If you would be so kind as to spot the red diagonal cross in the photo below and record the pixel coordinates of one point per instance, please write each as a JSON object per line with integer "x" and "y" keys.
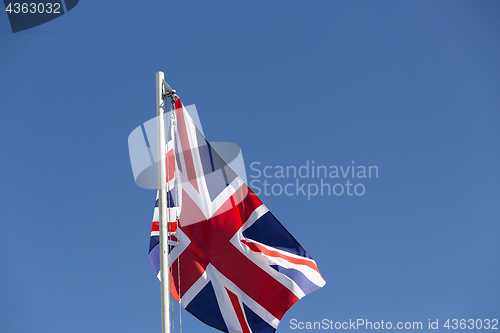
{"x": 210, "y": 244}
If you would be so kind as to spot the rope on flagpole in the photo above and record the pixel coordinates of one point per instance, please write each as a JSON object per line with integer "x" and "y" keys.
{"x": 174, "y": 97}
{"x": 169, "y": 219}
{"x": 169, "y": 197}
{"x": 169, "y": 194}
{"x": 171, "y": 94}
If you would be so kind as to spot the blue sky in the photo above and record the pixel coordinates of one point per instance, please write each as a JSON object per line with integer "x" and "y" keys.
{"x": 410, "y": 87}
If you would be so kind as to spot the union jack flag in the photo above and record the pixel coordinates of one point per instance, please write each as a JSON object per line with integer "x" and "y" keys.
{"x": 232, "y": 264}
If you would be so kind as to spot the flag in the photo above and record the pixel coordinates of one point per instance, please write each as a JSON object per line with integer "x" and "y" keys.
{"x": 232, "y": 264}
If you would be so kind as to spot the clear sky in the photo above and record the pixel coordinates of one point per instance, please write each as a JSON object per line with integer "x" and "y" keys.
{"x": 411, "y": 87}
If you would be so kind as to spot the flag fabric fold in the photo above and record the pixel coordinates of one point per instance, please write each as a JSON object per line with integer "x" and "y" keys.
{"x": 232, "y": 264}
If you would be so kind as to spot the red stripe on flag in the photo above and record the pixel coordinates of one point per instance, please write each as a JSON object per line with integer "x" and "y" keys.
{"x": 186, "y": 148}
{"x": 155, "y": 226}
{"x": 173, "y": 288}
{"x": 239, "y": 312}
{"x": 170, "y": 164}
{"x": 172, "y": 226}
{"x": 259, "y": 248}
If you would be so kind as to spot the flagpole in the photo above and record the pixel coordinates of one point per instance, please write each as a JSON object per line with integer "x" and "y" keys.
{"x": 162, "y": 205}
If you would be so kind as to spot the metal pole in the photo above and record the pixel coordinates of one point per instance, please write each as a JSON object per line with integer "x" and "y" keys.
{"x": 162, "y": 207}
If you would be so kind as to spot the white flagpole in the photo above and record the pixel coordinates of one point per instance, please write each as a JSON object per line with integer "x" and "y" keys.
{"x": 162, "y": 206}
